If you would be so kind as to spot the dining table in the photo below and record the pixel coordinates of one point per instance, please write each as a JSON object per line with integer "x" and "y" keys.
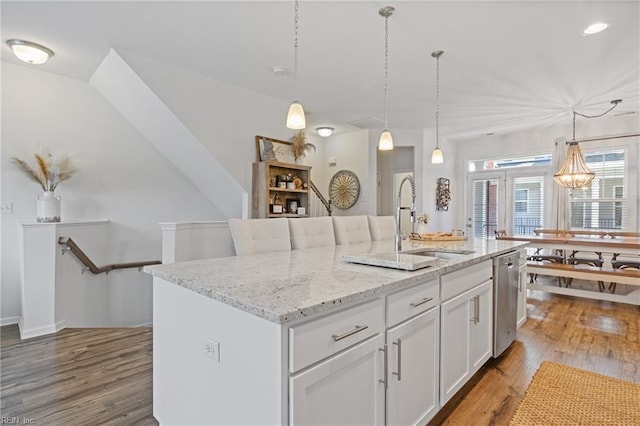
{"x": 606, "y": 245}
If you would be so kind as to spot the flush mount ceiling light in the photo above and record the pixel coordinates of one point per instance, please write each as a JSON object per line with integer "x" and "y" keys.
{"x": 386, "y": 141}
{"x": 29, "y": 52}
{"x": 574, "y": 172}
{"x": 595, "y": 28}
{"x": 295, "y": 117}
{"x": 325, "y": 131}
{"x": 437, "y": 157}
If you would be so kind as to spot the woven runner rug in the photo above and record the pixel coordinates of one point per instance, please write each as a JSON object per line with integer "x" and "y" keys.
{"x": 563, "y": 395}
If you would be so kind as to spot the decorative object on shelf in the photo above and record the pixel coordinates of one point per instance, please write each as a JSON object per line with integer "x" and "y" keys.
{"x": 48, "y": 173}
{"x": 344, "y": 189}
{"x": 292, "y": 205}
{"x": 574, "y": 172}
{"x": 269, "y": 149}
{"x": 443, "y": 194}
{"x": 300, "y": 146}
{"x": 422, "y": 222}
{"x": 386, "y": 140}
{"x": 30, "y": 52}
{"x": 297, "y": 182}
{"x": 277, "y": 205}
{"x": 295, "y": 117}
{"x": 437, "y": 157}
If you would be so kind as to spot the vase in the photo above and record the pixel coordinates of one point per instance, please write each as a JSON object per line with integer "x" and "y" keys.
{"x": 421, "y": 228}
{"x": 48, "y": 207}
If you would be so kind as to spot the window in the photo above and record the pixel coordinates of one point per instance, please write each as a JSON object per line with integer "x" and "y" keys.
{"x": 521, "y": 198}
{"x": 528, "y": 206}
{"x": 603, "y": 204}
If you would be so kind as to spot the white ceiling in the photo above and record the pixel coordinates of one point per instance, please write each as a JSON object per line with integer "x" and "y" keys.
{"x": 507, "y": 64}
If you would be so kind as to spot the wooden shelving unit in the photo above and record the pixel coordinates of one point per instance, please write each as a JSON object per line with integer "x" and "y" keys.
{"x": 266, "y": 173}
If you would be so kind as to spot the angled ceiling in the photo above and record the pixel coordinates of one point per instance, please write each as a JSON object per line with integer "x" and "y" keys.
{"x": 507, "y": 65}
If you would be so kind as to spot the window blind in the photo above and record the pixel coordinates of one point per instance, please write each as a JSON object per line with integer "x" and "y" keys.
{"x": 603, "y": 205}
{"x": 528, "y": 204}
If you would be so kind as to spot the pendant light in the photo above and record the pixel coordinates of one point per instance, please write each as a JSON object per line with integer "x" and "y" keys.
{"x": 437, "y": 157}
{"x": 574, "y": 172}
{"x": 295, "y": 117}
{"x": 386, "y": 141}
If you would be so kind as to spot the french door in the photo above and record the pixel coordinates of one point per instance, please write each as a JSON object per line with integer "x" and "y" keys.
{"x": 513, "y": 200}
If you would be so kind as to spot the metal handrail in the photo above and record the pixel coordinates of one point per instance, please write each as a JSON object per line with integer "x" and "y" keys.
{"x": 327, "y": 204}
{"x": 70, "y": 245}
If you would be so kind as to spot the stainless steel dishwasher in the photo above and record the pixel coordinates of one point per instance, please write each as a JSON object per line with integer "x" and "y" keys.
{"x": 505, "y": 301}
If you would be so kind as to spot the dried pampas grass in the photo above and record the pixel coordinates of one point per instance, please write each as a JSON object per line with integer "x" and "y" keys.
{"x": 300, "y": 145}
{"x": 48, "y": 172}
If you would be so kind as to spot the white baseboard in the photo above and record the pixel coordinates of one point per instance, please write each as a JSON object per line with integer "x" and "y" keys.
{"x": 39, "y": 331}
{"x": 9, "y": 320}
{"x": 146, "y": 324}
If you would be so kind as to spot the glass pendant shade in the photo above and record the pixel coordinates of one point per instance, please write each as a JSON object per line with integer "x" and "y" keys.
{"x": 574, "y": 173}
{"x": 31, "y": 53}
{"x": 295, "y": 118}
{"x": 386, "y": 141}
{"x": 437, "y": 157}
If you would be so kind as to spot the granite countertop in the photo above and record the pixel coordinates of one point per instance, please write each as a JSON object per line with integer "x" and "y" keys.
{"x": 285, "y": 286}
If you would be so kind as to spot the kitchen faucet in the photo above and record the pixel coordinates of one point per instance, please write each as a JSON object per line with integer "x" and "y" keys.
{"x": 412, "y": 210}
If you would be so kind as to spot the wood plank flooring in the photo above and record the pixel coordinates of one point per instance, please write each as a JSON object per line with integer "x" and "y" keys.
{"x": 78, "y": 377}
{"x": 104, "y": 376}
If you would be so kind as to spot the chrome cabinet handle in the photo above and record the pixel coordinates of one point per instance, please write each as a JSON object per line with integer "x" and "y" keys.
{"x": 384, "y": 378}
{"x": 398, "y": 343}
{"x": 476, "y": 309}
{"x": 421, "y": 302}
{"x": 358, "y": 329}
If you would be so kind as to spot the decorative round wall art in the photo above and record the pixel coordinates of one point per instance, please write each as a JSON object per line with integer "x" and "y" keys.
{"x": 344, "y": 189}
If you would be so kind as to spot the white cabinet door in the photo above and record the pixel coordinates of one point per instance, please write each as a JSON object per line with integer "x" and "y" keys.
{"x": 522, "y": 293}
{"x": 413, "y": 370}
{"x": 454, "y": 344}
{"x": 466, "y": 337}
{"x": 346, "y": 389}
{"x": 481, "y": 333}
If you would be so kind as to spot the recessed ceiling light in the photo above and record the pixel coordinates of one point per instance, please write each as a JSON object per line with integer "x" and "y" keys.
{"x": 595, "y": 28}
{"x": 29, "y": 52}
{"x": 325, "y": 131}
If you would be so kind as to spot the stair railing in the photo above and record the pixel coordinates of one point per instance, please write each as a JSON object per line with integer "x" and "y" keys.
{"x": 88, "y": 265}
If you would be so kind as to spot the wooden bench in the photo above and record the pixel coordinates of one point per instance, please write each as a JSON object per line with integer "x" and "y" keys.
{"x": 591, "y": 273}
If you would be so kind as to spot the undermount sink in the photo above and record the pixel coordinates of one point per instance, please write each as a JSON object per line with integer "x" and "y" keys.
{"x": 441, "y": 254}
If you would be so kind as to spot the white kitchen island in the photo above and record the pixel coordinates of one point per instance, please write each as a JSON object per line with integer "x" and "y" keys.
{"x": 303, "y": 337}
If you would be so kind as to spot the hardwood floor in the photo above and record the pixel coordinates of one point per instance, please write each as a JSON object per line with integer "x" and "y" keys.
{"x": 78, "y": 377}
{"x": 98, "y": 376}
{"x": 598, "y": 336}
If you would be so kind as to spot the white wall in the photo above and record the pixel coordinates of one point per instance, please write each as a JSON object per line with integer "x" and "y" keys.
{"x": 351, "y": 153}
{"x": 223, "y": 117}
{"x": 122, "y": 178}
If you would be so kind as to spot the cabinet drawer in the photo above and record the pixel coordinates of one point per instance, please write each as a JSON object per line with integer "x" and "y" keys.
{"x": 412, "y": 301}
{"x": 460, "y": 281}
{"x": 320, "y": 338}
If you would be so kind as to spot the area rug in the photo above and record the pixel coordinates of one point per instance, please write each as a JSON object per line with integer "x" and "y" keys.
{"x": 563, "y": 395}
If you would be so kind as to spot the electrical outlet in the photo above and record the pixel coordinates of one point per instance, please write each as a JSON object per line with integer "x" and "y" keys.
{"x": 212, "y": 349}
{"x": 6, "y": 207}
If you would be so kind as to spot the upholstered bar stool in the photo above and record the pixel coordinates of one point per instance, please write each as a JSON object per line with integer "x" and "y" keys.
{"x": 311, "y": 232}
{"x": 351, "y": 229}
{"x": 260, "y": 235}
{"x": 382, "y": 227}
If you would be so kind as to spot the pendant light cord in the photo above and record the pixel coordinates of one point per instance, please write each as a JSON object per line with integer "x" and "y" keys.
{"x": 295, "y": 48}
{"x": 615, "y": 104}
{"x": 386, "y": 66}
{"x": 437, "y": 101}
